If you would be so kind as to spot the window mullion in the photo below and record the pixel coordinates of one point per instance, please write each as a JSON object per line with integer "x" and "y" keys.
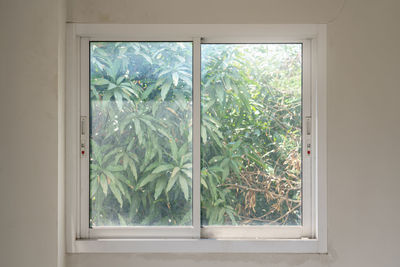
{"x": 196, "y": 135}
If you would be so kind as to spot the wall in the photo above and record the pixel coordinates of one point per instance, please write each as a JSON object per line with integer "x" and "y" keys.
{"x": 363, "y": 125}
{"x": 62, "y": 17}
{"x": 363, "y": 121}
{"x": 204, "y": 11}
{"x": 31, "y": 165}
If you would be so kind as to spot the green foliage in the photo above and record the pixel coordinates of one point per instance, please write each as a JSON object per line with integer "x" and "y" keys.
{"x": 251, "y": 134}
{"x": 141, "y": 150}
{"x": 141, "y": 134}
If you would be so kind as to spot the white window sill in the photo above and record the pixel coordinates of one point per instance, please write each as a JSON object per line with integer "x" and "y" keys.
{"x": 198, "y": 246}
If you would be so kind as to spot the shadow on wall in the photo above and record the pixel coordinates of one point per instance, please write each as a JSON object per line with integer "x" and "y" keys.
{"x": 204, "y": 12}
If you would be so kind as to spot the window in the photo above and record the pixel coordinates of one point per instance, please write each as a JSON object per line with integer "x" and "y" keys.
{"x": 184, "y": 143}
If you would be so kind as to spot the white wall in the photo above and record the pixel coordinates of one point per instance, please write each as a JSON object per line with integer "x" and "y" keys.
{"x": 363, "y": 121}
{"x": 203, "y": 11}
{"x": 31, "y": 84}
{"x": 363, "y": 125}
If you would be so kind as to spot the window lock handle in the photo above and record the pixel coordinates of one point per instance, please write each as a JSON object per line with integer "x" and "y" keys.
{"x": 308, "y": 125}
{"x": 83, "y": 131}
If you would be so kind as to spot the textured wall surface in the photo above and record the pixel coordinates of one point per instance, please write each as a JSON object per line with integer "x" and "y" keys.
{"x": 363, "y": 126}
{"x": 31, "y": 54}
{"x": 363, "y": 122}
{"x": 205, "y": 11}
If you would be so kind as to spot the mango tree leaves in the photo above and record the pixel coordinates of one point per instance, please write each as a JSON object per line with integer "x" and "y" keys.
{"x": 250, "y": 133}
{"x": 141, "y": 133}
{"x": 140, "y": 127}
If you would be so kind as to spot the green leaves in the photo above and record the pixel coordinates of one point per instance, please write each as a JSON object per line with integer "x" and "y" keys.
{"x": 133, "y": 169}
{"x": 100, "y": 81}
{"x": 171, "y": 182}
{"x": 175, "y": 171}
{"x": 165, "y": 89}
{"x": 174, "y": 150}
{"x": 175, "y": 78}
{"x": 250, "y": 133}
{"x": 163, "y": 168}
{"x": 140, "y": 124}
{"x": 103, "y": 183}
{"x": 117, "y": 193}
{"x": 160, "y": 186}
{"x": 204, "y": 134}
{"x": 149, "y": 178}
{"x": 184, "y": 187}
{"x": 141, "y": 133}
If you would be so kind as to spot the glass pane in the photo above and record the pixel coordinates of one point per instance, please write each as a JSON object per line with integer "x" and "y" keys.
{"x": 251, "y": 134}
{"x": 140, "y": 133}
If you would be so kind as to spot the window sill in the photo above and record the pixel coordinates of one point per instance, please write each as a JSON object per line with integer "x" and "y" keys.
{"x": 198, "y": 246}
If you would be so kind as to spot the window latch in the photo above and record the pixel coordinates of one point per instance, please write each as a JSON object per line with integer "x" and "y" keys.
{"x": 83, "y": 131}
{"x": 308, "y": 125}
{"x": 308, "y": 135}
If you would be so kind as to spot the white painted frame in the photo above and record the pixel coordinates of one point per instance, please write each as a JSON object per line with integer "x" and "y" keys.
{"x": 309, "y": 238}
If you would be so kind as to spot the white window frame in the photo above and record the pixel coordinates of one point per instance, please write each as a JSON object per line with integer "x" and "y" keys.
{"x": 311, "y": 237}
